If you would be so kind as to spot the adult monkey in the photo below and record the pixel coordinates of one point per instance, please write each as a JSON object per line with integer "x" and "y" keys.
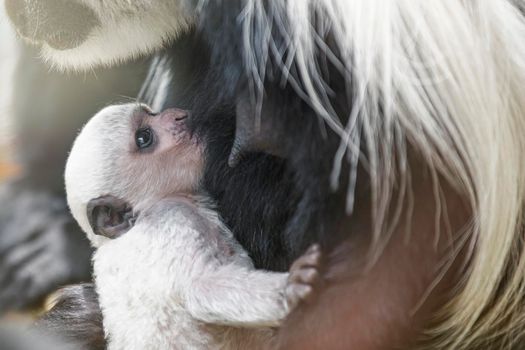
{"x": 421, "y": 97}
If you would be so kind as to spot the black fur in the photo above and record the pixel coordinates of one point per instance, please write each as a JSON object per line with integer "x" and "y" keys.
{"x": 276, "y": 207}
{"x": 310, "y": 210}
{"x": 76, "y": 318}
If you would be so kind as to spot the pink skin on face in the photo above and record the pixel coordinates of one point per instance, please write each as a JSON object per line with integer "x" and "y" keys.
{"x": 171, "y": 129}
{"x": 171, "y": 163}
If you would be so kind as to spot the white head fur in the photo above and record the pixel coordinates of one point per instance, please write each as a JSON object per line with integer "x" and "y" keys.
{"x": 105, "y": 160}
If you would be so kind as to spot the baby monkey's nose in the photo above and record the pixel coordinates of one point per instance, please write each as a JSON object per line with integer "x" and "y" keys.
{"x": 180, "y": 114}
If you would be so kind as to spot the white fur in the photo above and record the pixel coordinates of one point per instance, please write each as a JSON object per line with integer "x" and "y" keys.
{"x": 101, "y": 162}
{"x": 87, "y": 175}
{"x": 195, "y": 283}
{"x": 122, "y": 34}
{"x": 177, "y": 279}
{"x": 445, "y": 78}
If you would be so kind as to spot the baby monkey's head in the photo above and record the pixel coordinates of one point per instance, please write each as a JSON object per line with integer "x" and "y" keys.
{"x": 125, "y": 158}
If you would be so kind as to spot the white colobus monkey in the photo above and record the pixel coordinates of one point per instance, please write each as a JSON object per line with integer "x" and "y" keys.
{"x": 168, "y": 273}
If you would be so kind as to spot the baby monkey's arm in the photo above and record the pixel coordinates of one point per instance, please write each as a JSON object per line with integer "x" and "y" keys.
{"x": 236, "y": 296}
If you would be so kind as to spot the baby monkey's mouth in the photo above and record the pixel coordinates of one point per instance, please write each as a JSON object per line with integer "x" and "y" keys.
{"x": 110, "y": 216}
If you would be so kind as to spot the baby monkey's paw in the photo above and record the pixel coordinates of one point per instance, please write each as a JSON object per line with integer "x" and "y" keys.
{"x": 304, "y": 278}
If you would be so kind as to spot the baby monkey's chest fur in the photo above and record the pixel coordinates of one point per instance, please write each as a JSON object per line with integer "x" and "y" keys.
{"x": 202, "y": 289}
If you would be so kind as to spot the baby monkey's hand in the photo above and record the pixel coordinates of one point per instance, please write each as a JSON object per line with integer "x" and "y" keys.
{"x": 304, "y": 278}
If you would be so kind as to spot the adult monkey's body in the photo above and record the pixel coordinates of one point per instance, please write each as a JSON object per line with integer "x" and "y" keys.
{"x": 417, "y": 86}
{"x": 385, "y": 296}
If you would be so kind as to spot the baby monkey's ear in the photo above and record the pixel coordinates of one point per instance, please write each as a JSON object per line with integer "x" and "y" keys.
{"x": 110, "y": 216}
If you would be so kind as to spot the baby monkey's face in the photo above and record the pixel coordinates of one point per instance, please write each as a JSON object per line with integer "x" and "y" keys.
{"x": 129, "y": 153}
{"x": 162, "y": 154}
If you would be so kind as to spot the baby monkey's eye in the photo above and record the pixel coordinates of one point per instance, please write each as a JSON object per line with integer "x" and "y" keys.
{"x": 144, "y": 138}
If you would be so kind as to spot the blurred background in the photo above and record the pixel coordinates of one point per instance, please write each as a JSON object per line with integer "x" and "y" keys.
{"x": 41, "y": 111}
{"x": 7, "y": 62}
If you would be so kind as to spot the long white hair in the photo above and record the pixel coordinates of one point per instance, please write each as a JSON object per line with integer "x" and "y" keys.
{"x": 447, "y": 78}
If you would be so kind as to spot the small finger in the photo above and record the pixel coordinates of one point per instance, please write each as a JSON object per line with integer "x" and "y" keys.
{"x": 305, "y": 276}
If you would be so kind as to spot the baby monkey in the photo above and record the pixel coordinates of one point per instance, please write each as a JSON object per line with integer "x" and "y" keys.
{"x": 169, "y": 274}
